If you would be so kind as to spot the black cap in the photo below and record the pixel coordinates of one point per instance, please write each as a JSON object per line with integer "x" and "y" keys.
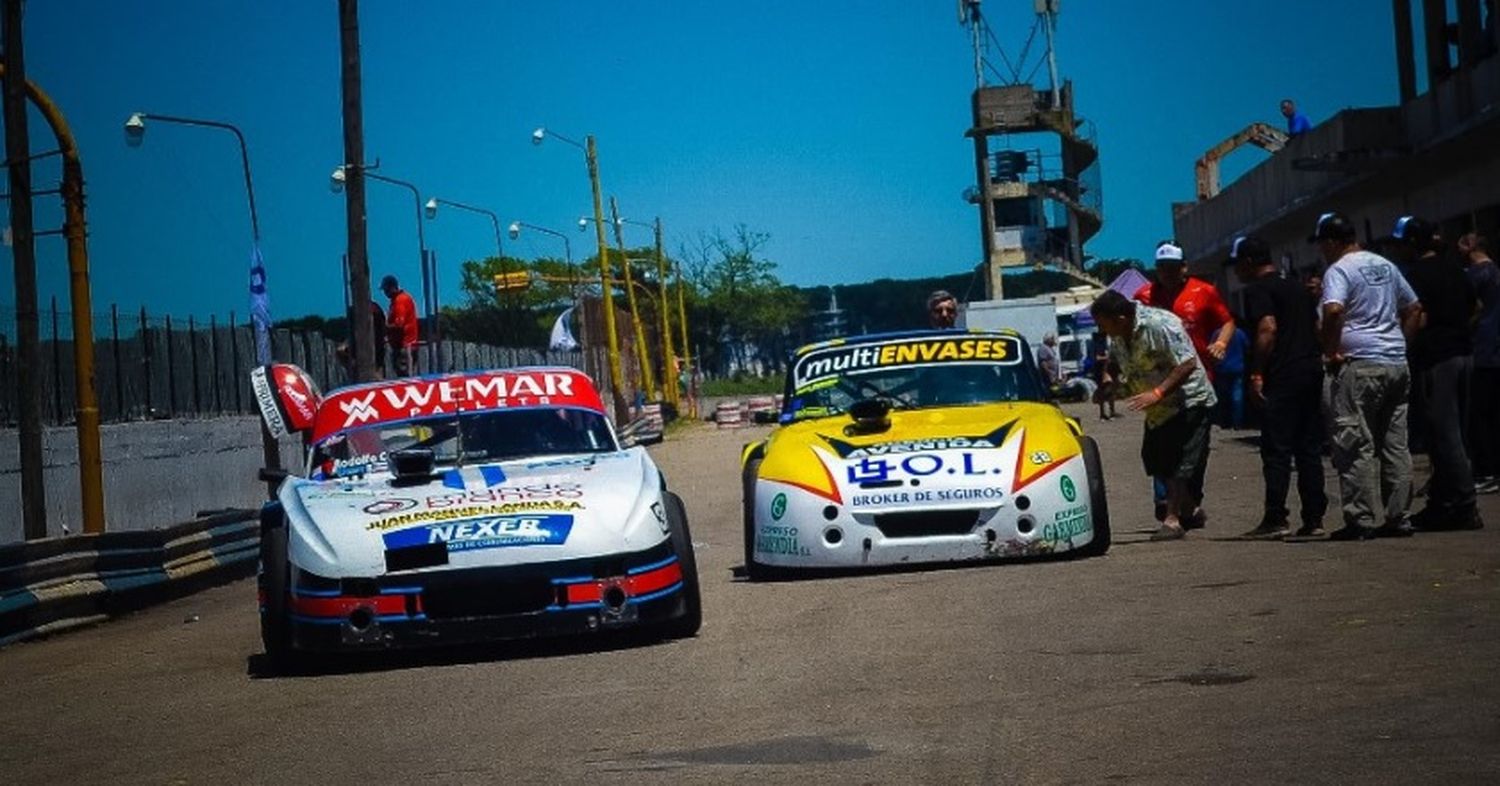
{"x": 389, "y": 282}
{"x": 1249, "y": 247}
{"x": 1410, "y": 229}
{"x": 1332, "y": 226}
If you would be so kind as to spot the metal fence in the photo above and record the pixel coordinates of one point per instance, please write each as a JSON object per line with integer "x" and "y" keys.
{"x": 149, "y": 367}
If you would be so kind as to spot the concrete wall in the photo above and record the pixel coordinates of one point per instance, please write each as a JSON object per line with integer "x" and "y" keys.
{"x": 156, "y": 473}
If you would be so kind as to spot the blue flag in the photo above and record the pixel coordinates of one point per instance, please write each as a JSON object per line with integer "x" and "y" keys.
{"x": 260, "y": 307}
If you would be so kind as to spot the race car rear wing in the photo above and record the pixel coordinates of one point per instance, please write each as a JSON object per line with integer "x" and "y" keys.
{"x": 287, "y": 396}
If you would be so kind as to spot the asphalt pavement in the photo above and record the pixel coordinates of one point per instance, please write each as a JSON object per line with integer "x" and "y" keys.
{"x": 1207, "y": 659}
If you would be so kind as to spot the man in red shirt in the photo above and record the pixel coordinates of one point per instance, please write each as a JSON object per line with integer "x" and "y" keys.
{"x": 1202, "y": 311}
{"x": 1196, "y": 302}
{"x": 401, "y": 329}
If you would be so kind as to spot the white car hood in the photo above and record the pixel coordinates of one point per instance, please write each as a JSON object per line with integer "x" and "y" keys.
{"x": 536, "y": 510}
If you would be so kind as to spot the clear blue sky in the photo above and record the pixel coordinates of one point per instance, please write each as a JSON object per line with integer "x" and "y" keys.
{"x": 836, "y": 127}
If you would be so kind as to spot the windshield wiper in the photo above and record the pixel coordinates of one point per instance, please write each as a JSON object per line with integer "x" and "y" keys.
{"x": 886, "y": 394}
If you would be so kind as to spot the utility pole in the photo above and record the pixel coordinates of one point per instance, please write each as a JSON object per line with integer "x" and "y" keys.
{"x": 642, "y": 356}
{"x": 668, "y": 357}
{"x": 354, "y": 193}
{"x": 28, "y": 346}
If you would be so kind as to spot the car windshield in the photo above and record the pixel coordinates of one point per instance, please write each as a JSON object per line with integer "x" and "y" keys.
{"x": 469, "y": 438}
{"x": 912, "y": 373}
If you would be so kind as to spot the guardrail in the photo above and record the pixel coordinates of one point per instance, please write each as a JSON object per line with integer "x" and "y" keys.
{"x": 55, "y": 584}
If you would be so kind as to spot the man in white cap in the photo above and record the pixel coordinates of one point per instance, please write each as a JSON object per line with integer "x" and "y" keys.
{"x": 1208, "y": 323}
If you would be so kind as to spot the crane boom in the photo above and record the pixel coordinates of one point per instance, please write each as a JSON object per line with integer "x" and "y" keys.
{"x": 1261, "y": 135}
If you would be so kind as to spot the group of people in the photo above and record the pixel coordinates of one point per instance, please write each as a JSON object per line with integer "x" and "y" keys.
{"x": 398, "y": 331}
{"x": 1333, "y": 361}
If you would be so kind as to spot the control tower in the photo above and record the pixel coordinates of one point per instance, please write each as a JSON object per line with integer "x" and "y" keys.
{"x": 1036, "y": 162}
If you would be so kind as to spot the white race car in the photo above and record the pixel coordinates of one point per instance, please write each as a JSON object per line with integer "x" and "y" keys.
{"x": 474, "y": 506}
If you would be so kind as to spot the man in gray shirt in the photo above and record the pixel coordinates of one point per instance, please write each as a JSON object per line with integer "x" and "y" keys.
{"x": 1368, "y": 310}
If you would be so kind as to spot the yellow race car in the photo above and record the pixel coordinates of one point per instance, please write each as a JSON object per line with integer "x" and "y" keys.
{"x": 925, "y": 447}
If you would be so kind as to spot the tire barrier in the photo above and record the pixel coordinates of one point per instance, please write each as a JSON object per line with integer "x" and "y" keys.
{"x": 654, "y": 421}
{"x": 728, "y": 415}
{"x": 52, "y": 585}
{"x": 763, "y": 409}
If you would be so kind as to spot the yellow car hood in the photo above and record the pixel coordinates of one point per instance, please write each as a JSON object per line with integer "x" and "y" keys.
{"x": 936, "y": 455}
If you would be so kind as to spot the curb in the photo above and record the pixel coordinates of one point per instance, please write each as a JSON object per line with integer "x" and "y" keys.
{"x": 56, "y": 584}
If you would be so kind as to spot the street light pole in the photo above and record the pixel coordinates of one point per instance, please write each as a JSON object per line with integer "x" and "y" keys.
{"x": 591, "y": 156}
{"x": 338, "y": 181}
{"x": 583, "y": 323}
{"x": 669, "y": 373}
{"x": 641, "y": 355}
{"x": 135, "y": 132}
{"x": 432, "y": 209}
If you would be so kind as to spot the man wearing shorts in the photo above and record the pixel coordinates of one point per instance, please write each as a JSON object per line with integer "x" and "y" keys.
{"x": 1161, "y": 374}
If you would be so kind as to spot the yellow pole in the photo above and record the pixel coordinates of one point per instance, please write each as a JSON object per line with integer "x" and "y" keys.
{"x": 86, "y": 401}
{"x": 668, "y": 357}
{"x": 641, "y": 355}
{"x": 616, "y": 379}
{"x": 687, "y": 355}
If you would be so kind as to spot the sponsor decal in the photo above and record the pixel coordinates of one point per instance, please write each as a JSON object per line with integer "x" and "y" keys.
{"x": 504, "y": 509}
{"x": 779, "y": 540}
{"x": 358, "y": 465}
{"x": 934, "y": 495}
{"x": 391, "y": 505}
{"x": 563, "y": 490}
{"x": 487, "y": 533}
{"x": 827, "y": 363}
{"x": 426, "y": 397}
{"x": 577, "y": 461}
{"x": 1068, "y": 523}
{"x": 1069, "y": 491}
{"x": 778, "y": 507}
{"x": 1041, "y": 457}
{"x": 879, "y": 470}
{"x": 849, "y": 451}
{"x": 661, "y": 517}
{"x": 265, "y": 398}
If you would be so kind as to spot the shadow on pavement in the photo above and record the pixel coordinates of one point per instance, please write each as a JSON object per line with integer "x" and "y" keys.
{"x": 260, "y": 666}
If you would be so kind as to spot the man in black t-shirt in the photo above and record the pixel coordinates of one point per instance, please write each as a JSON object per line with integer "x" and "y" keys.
{"x": 1286, "y": 378}
{"x": 1441, "y": 355}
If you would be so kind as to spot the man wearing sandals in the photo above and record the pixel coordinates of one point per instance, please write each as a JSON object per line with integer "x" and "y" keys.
{"x": 1162, "y": 376}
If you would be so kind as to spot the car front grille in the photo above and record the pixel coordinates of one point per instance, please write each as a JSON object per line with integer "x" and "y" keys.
{"x": 921, "y": 524}
{"x": 489, "y": 599}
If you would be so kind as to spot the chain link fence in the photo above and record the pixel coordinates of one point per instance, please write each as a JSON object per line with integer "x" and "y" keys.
{"x": 155, "y": 367}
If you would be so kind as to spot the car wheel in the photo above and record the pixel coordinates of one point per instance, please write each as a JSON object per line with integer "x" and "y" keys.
{"x": 275, "y": 582}
{"x": 753, "y": 571}
{"x": 1098, "y": 502}
{"x": 682, "y": 543}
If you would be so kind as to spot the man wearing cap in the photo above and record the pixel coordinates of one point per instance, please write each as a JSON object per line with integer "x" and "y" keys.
{"x": 1441, "y": 364}
{"x": 401, "y": 329}
{"x": 1368, "y": 309}
{"x": 1161, "y": 374}
{"x": 1484, "y": 434}
{"x": 1286, "y": 379}
{"x": 1207, "y": 320}
{"x": 942, "y": 310}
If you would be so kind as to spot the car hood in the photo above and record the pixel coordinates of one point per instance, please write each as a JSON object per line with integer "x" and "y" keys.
{"x": 509, "y": 513}
{"x": 943, "y": 457}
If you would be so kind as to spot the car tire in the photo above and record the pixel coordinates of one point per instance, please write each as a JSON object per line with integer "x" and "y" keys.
{"x": 1098, "y": 501}
{"x": 275, "y": 582}
{"x": 753, "y": 571}
{"x": 687, "y": 625}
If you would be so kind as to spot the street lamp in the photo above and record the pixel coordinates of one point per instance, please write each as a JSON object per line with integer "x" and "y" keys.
{"x": 336, "y": 181}
{"x": 515, "y": 232}
{"x": 591, "y": 157}
{"x": 135, "y": 134}
{"x": 583, "y": 325}
{"x": 432, "y": 211}
{"x": 642, "y": 357}
{"x": 669, "y": 381}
